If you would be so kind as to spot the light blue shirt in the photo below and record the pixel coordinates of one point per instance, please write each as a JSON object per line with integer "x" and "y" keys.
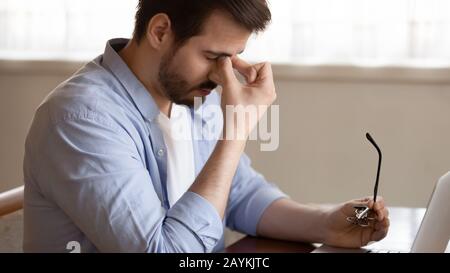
{"x": 95, "y": 172}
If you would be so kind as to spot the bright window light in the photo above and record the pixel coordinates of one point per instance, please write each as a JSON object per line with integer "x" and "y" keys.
{"x": 355, "y": 32}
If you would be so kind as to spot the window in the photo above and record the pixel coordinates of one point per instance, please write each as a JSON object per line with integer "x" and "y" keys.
{"x": 62, "y": 29}
{"x": 361, "y": 32}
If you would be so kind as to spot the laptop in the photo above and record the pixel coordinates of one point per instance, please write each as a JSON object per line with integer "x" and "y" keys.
{"x": 434, "y": 232}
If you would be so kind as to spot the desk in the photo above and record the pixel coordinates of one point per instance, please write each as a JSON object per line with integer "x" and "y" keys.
{"x": 405, "y": 223}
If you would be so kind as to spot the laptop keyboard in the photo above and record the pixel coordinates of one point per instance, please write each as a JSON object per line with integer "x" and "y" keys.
{"x": 384, "y": 251}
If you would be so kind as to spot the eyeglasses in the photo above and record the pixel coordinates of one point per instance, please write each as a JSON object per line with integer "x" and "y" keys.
{"x": 361, "y": 217}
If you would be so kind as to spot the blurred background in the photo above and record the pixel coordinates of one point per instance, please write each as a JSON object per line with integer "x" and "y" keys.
{"x": 342, "y": 68}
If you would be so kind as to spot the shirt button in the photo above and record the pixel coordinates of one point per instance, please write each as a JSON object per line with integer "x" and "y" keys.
{"x": 160, "y": 152}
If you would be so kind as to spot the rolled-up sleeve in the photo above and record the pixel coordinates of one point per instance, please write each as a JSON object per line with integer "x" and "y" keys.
{"x": 250, "y": 195}
{"x": 95, "y": 174}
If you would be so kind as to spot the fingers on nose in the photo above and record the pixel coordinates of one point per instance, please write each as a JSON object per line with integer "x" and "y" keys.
{"x": 223, "y": 73}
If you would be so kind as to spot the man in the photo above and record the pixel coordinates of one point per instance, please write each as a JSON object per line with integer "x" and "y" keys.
{"x": 104, "y": 172}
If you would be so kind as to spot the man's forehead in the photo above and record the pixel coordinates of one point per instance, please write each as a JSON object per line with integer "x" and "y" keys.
{"x": 217, "y": 45}
{"x": 221, "y": 31}
{"x": 220, "y": 36}
{"x": 223, "y": 44}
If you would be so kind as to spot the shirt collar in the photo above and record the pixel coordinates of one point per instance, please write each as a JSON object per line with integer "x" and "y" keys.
{"x": 137, "y": 91}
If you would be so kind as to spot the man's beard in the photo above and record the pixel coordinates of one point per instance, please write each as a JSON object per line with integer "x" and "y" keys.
{"x": 175, "y": 87}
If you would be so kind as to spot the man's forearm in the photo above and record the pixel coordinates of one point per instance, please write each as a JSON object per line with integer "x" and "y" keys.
{"x": 214, "y": 181}
{"x": 287, "y": 220}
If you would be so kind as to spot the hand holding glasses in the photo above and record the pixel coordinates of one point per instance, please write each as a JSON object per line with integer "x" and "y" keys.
{"x": 361, "y": 217}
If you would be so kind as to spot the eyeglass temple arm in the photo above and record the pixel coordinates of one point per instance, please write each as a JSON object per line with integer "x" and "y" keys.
{"x": 375, "y": 190}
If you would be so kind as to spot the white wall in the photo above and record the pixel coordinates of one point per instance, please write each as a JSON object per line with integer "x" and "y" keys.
{"x": 20, "y": 94}
{"x": 323, "y": 154}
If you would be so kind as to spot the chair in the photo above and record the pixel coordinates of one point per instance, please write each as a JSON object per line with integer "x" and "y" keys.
{"x": 11, "y": 220}
{"x": 11, "y": 201}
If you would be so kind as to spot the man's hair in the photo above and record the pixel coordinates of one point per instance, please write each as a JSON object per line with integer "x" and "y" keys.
{"x": 187, "y": 16}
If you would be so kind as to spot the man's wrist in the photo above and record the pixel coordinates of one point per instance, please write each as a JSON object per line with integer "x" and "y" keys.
{"x": 232, "y": 145}
{"x": 327, "y": 231}
{"x": 322, "y": 231}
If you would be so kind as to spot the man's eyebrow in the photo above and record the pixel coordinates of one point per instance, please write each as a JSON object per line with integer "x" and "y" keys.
{"x": 220, "y": 54}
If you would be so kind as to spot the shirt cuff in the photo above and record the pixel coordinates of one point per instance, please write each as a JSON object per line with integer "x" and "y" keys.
{"x": 200, "y": 216}
{"x": 257, "y": 205}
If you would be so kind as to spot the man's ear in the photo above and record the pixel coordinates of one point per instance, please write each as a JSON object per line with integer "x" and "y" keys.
{"x": 159, "y": 31}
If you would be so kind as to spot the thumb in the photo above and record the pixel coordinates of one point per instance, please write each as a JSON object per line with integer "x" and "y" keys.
{"x": 223, "y": 73}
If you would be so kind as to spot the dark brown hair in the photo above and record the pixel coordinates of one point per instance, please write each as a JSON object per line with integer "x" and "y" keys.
{"x": 187, "y": 16}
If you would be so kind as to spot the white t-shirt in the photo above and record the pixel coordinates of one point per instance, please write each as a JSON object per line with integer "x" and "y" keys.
{"x": 180, "y": 154}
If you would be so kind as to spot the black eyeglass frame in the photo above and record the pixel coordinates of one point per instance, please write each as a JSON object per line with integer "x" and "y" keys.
{"x": 380, "y": 156}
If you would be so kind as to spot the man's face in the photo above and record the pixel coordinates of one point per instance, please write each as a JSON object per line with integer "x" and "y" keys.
{"x": 183, "y": 73}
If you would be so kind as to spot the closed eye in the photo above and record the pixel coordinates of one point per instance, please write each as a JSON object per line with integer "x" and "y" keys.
{"x": 213, "y": 58}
